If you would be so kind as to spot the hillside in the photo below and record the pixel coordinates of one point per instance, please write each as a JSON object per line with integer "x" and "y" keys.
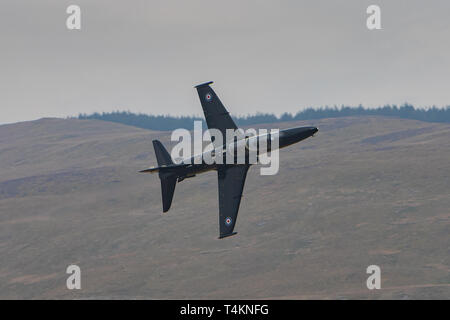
{"x": 364, "y": 190}
{"x": 167, "y": 122}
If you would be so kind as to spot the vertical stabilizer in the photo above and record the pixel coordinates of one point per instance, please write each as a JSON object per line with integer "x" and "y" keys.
{"x": 168, "y": 179}
{"x": 162, "y": 156}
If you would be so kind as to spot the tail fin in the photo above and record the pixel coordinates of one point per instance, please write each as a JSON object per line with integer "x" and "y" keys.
{"x": 168, "y": 179}
{"x": 162, "y": 156}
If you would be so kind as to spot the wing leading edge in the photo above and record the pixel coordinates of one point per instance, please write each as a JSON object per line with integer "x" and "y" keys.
{"x": 231, "y": 177}
{"x": 216, "y": 116}
{"x": 231, "y": 185}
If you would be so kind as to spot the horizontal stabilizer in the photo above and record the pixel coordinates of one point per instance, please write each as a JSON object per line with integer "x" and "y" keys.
{"x": 150, "y": 170}
{"x": 173, "y": 168}
{"x": 167, "y": 191}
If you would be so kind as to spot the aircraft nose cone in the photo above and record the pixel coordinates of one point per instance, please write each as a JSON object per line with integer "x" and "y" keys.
{"x": 293, "y": 135}
{"x": 300, "y": 131}
{"x": 309, "y": 131}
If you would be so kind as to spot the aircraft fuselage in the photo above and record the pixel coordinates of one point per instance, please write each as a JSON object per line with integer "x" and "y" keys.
{"x": 286, "y": 138}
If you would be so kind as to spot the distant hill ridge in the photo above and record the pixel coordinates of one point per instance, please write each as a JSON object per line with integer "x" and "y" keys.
{"x": 167, "y": 122}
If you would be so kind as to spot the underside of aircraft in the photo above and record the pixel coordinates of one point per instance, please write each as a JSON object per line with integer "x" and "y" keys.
{"x": 231, "y": 177}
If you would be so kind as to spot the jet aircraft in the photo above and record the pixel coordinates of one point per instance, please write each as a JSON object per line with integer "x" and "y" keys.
{"x": 231, "y": 177}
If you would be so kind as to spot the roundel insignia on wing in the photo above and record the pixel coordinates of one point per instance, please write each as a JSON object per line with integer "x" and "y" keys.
{"x": 208, "y": 97}
{"x": 228, "y": 221}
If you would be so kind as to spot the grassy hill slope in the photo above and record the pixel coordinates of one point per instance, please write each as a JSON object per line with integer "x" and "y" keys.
{"x": 365, "y": 190}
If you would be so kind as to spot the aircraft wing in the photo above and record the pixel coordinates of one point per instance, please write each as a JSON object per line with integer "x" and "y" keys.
{"x": 231, "y": 185}
{"x": 216, "y": 116}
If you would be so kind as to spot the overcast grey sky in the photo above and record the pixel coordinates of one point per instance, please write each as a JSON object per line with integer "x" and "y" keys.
{"x": 269, "y": 56}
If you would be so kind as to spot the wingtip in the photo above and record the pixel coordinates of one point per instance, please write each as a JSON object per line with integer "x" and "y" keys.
{"x": 227, "y": 235}
{"x": 204, "y": 84}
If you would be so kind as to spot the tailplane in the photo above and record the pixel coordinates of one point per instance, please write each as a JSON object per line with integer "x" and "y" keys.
{"x": 168, "y": 178}
{"x": 167, "y": 190}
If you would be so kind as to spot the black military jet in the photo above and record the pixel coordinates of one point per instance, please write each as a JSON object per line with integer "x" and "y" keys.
{"x": 231, "y": 176}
